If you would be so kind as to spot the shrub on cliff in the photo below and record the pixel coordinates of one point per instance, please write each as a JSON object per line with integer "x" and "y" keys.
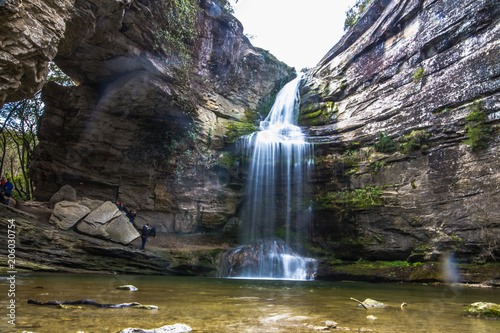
{"x": 385, "y": 144}
{"x": 478, "y": 131}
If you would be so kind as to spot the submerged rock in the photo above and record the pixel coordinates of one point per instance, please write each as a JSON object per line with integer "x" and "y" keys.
{"x": 127, "y": 287}
{"x": 176, "y": 328}
{"x": 371, "y": 303}
{"x": 482, "y": 310}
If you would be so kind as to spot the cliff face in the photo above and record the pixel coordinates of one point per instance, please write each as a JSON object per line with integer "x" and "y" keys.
{"x": 412, "y": 70}
{"x": 143, "y": 128}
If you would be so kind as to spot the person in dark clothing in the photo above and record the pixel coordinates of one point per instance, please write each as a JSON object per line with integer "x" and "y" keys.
{"x": 146, "y": 232}
{"x": 131, "y": 216}
{"x": 8, "y": 187}
{"x": 3, "y": 199}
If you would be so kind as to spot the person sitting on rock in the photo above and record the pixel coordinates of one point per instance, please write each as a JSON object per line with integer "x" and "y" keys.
{"x": 131, "y": 216}
{"x": 146, "y": 232}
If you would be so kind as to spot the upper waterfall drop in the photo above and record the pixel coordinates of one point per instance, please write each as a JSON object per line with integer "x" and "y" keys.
{"x": 277, "y": 203}
{"x": 280, "y": 162}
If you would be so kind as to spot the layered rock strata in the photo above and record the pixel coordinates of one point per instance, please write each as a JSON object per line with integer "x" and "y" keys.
{"x": 30, "y": 31}
{"x": 408, "y": 77}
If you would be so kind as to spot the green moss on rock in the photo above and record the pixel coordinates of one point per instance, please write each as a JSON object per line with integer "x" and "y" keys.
{"x": 317, "y": 113}
{"x": 482, "y": 310}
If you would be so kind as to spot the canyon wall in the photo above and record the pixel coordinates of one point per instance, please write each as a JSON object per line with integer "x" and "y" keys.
{"x": 144, "y": 125}
{"x": 404, "y": 113}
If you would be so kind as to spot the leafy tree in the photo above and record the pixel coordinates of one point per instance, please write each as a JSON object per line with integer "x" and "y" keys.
{"x": 18, "y": 136}
{"x": 18, "y": 140}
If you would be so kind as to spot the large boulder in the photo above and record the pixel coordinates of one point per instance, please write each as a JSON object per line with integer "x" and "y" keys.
{"x": 65, "y": 193}
{"x": 67, "y": 213}
{"x": 109, "y": 223}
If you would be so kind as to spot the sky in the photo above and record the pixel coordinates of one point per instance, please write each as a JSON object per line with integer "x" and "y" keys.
{"x": 297, "y": 32}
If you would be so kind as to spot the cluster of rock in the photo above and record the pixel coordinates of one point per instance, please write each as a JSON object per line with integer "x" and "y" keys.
{"x": 91, "y": 217}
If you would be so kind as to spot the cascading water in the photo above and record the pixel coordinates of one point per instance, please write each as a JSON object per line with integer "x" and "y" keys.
{"x": 276, "y": 202}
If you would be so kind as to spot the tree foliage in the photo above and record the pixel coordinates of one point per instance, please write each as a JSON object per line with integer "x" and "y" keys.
{"x": 18, "y": 136}
{"x": 18, "y": 140}
{"x": 175, "y": 28}
{"x": 355, "y": 12}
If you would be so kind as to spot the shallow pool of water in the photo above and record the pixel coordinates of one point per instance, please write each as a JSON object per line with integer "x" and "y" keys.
{"x": 230, "y": 305}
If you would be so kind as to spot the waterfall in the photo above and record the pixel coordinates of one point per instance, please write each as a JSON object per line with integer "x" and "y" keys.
{"x": 276, "y": 203}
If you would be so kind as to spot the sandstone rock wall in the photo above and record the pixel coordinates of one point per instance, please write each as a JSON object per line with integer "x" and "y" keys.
{"x": 413, "y": 73}
{"x": 29, "y": 33}
{"x": 141, "y": 130}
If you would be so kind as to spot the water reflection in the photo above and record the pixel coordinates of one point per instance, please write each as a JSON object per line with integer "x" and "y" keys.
{"x": 228, "y": 305}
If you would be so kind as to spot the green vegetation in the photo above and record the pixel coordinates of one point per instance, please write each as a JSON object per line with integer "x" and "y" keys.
{"x": 237, "y": 129}
{"x": 226, "y": 6}
{"x": 317, "y": 113}
{"x": 361, "y": 198}
{"x": 385, "y": 144}
{"x": 355, "y": 12}
{"x": 377, "y": 166}
{"x": 478, "y": 131}
{"x": 413, "y": 141}
{"x": 482, "y": 310}
{"x": 18, "y": 136}
{"x": 418, "y": 75}
{"x": 175, "y": 31}
{"x": 227, "y": 160}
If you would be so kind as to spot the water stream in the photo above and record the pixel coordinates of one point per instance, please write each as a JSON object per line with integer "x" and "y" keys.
{"x": 212, "y": 305}
{"x": 276, "y": 210}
